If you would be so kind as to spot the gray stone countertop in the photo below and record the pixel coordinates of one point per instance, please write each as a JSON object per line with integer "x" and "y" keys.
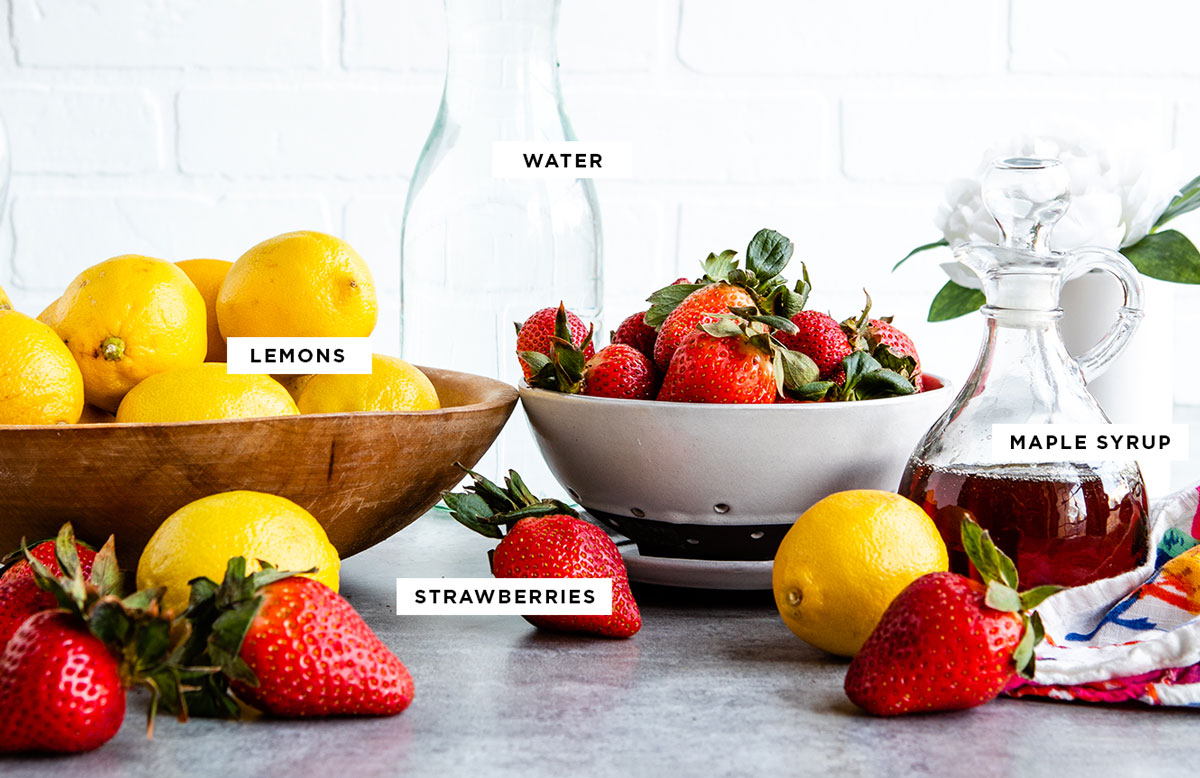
{"x": 714, "y": 684}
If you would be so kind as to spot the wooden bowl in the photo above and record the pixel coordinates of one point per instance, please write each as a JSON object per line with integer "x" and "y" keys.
{"x": 364, "y": 476}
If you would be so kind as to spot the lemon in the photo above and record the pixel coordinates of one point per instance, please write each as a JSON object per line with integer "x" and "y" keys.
{"x": 39, "y": 380}
{"x": 207, "y": 275}
{"x": 200, "y": 538}
{"x": 5, "y": 303}
{"x": 202, "y": 393}
{"x": 300, "y": 284}
{"x": 845, "y": 560}
{"x": 393, "y": 385}
{"x": 128, "y": 318}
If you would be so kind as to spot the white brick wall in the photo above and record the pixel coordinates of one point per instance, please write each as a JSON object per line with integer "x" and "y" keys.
{"x": 198, "y": 127}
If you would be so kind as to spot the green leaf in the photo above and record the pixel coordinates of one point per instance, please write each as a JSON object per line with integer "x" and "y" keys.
{"x": 1002, "y": 597}
{"x": 891, "y": 359}
{"x": 918, "y": 250}
{"x": 666, "y": 300}
{"x": 803, "y": 288}
{"x": 954, "y": 301}
{"x": 972, "y": 540}
{"x": 768, "y": 253}
{"x": 749, "y": 313}
{"x": 812, "y": 391}
{"x": 718, "y": 266}
{"x": 535, "y": 359}
{"x": 1008, "y": 571}
{"x": 470, "y": 510}
{"x": 1023, "y": 655}
{"x": 883, "y": 383}
{"x": 723, "y": 327}
{"x": 1167, "y": 256}
{"x": 1187, "y": 200}
{"x": 1035, "y": 597}
{"x": 798, "y": 369}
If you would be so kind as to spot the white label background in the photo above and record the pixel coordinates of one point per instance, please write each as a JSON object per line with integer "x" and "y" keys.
{"x": 508, "y": 159}
{"x": 356, "y": 354}
{"x": 1177, "y": 450}
{"x": 407, "y": 588}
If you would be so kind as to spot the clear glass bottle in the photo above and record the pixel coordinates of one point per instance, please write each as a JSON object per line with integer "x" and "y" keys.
{"x": 1062, "y": 522}
{"x": 480, "y": 253}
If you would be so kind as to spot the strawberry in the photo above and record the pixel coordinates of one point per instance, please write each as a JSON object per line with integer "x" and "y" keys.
{"x": 732, "y": 360}
{"x": 881, "y": 333}
{"x": 291, "y": 646}
{"x": 20, "y": 596}
{"x": 948, "y": 642}
{"x": 64, "y": 672}
{"x": 678, "y": 309}
{"x": 704, "y": 305}
{"x": 547, "y": 539}
{"x": 881, "y": 339}
{"x": 634, "y": 331}
{"x": 620, "y": 371}
{"x": 62, "y": 688}
{"x": 537, "y": 334}
{"x": 821, "y": 338}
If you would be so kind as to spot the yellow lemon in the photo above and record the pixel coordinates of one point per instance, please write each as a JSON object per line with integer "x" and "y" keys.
{"x": 207, "y": 275}
{"x": 128, "y": 318}
{"x": 300, "y": 284}
{"x": 39, "y": 380}
{"x": 202, "y": 393}
{"x": 393, "y": 385}
{"x": 93, "y": 415}
{"x": 5, "y": 303}
{"x": 845, "y": 560}
{"x": 200, "y": 538}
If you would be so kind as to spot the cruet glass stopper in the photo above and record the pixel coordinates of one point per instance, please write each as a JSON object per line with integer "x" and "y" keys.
{"x": 1026, "y": 197}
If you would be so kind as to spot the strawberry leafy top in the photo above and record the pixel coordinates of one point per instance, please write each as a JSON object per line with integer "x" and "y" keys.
{"x": 562, "y": 370}
{"x": 487, "y": 507}
{"x": 999, "y": 575}
{"x": 146, "y": 641}
{"x": 766, "y": 257}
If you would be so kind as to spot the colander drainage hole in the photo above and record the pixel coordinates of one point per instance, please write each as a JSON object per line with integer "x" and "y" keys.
{"x": 693, "y": 541}
{"x": 641, "y": 514}
{"x": 721, "y": 508}
{"x": 757, "y": 535}
{"x": 574, "y": 494}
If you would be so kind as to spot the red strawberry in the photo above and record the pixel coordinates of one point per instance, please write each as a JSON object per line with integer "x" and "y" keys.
{"x": 703, "y": 305}
{"x": 291, "y": 646}
{"x": 20, "y": 596}
{"x": 881, "y": 332}
{"x": 61, "y": 686}
{"x": 547, "y": 540}
{"x": 634, "y": 331}
{"x": 537, "y": 332}
{"x": 64, "y": 672}
{"x": 620, "y": 371}
{"x": 948, "y": 642}
{"x": 721, "y": 361}
{"x": 821, "y": 338}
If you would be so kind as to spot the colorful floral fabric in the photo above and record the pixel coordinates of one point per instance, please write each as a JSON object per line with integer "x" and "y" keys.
{"x": 1135, "y": 636}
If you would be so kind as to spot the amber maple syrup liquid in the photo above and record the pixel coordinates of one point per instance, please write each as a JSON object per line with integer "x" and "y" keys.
{"x": 1066, "y": 531}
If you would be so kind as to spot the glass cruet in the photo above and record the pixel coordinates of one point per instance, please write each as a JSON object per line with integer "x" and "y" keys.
{"x": 1063, "y": 522}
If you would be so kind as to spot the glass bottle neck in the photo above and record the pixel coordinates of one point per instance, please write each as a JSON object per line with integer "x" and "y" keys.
{"x": 502, "y": 55}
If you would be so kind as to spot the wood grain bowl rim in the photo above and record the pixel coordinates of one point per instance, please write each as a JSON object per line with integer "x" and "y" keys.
{"x": 492, "y": 395}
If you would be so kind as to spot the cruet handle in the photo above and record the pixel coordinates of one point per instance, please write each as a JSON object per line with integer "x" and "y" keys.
{"x": 1096, "y": 360}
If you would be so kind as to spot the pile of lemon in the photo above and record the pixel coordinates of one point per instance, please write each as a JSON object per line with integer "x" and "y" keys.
{"x": 136, "y": 339}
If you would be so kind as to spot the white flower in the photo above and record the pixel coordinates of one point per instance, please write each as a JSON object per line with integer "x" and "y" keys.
{"x": 1114, "y": 201}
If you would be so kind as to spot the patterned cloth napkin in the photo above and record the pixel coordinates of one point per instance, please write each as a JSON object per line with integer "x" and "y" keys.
{"x": 1135, "y": 636}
